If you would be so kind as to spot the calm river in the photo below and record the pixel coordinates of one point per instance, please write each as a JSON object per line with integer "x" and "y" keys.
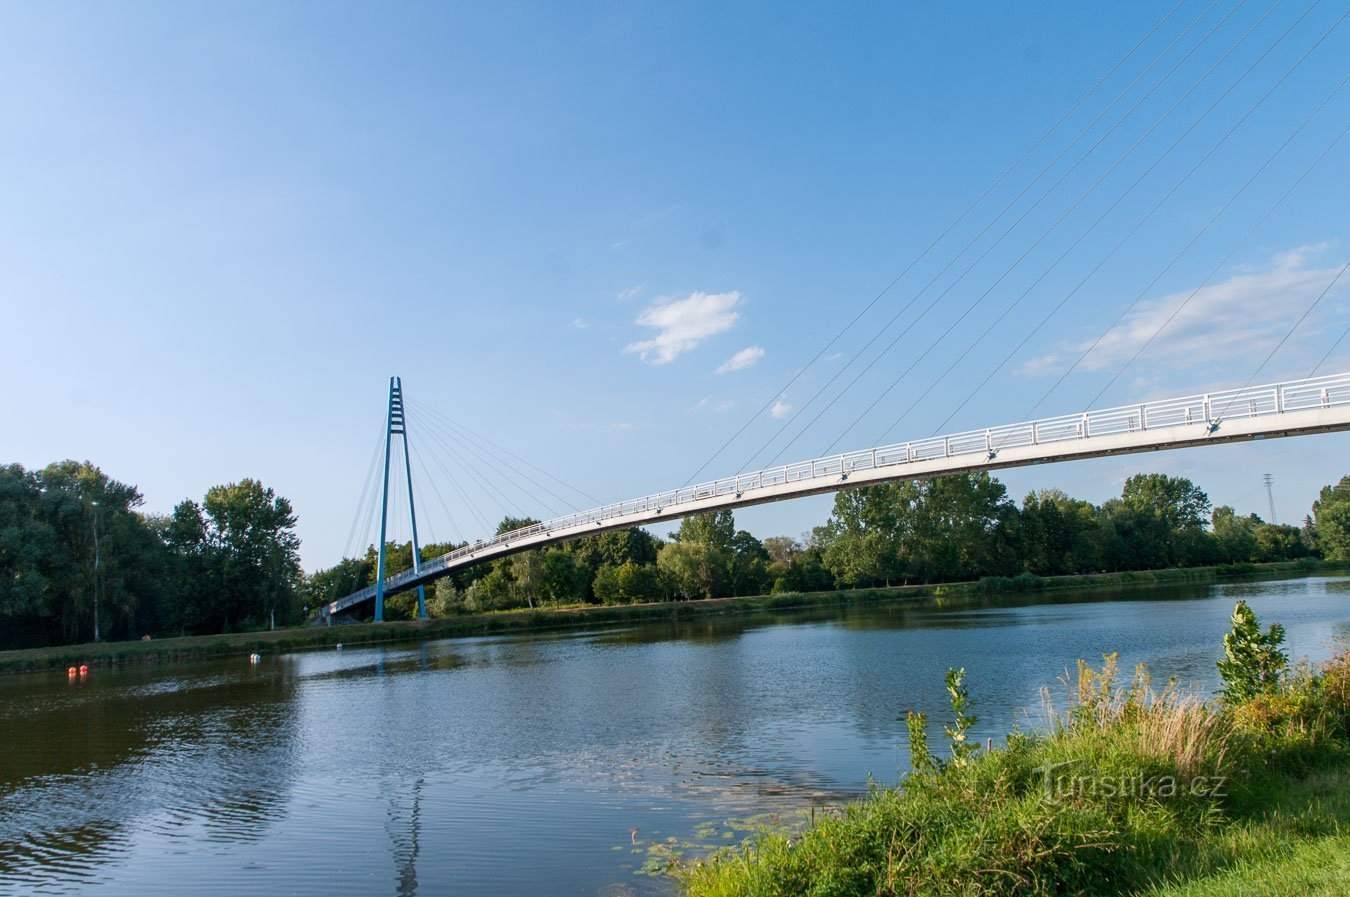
{"x": 522, "y": 765}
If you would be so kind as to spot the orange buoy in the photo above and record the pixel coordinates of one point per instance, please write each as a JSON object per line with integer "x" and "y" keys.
{"x": 70, "y": 672}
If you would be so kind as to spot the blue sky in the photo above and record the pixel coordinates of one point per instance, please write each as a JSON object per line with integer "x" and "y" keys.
{"x": 604, "y": 235}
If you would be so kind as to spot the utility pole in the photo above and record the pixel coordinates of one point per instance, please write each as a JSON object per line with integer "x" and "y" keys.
{"x": 1270, "y": 495}
{"x": 94, "y": 504}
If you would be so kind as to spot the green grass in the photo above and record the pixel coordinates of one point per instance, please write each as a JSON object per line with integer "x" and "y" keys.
{"x": 584, "y": 616}
{"x": 1300, "y": 846}
{"x": 1110, "y": 821}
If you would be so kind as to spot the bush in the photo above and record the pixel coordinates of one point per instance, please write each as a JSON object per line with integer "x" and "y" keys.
{"x": 1253, "y": 661}
{"x": 1129, "y": 787}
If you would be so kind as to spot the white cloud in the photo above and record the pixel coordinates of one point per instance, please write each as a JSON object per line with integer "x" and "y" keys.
{"x": 724, "y": 406}
{"x": 579, "y": 324}
{"x": 1239, "y": 319}
{"x": 625, "y": 295}
{"x": 780, "y": 408}
{"x": 683, "y": 323}
{"x": 742, "y": 359}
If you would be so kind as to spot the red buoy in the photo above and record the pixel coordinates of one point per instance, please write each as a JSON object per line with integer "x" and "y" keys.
{"x": 84, "y": 669}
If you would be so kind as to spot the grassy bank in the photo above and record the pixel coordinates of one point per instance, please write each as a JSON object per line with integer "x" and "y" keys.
{"x": 1135, "y": 791}
{"x": 584, "y": 616}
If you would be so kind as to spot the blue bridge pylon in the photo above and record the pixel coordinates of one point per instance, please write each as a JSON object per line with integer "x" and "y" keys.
{"x": 397, "y": 425}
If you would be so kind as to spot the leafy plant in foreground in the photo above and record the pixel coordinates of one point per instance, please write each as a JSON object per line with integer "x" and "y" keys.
{"x": 958, "y": 733}
{"x": 1253, "y": 660}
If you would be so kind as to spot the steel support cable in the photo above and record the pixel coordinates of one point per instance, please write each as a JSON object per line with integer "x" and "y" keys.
{"x": 1110, "y": 254}
{"x": 486, "y": 488}
{"x": 1151, "y": 284}
{"x": 970, "y": 208}
{"x": 463, "y": 493}
{"x": 365, "y": 489}
{"x": 1215, "y": 270}
{"x": 428, "y": 529}
{"x": 506, "y": 474}
{"x": 961, "y": 277}
{"x": 1262, "y": 366}
{"x": 445, "y": 506}
{"x": 1000, "y": 238}
{"x": 447, "y": 421}
{"x": 484, "y": 482}
{"x": 464, "y": 439}
{"x": 1334, "y": 346}
{"x": 933, "y": 344}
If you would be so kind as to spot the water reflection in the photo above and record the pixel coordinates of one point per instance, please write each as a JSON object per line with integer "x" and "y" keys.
{"x": 91, "y": 765}
{"x": 520, "y": 764}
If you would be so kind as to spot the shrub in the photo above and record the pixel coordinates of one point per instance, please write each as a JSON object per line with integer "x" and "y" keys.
{"x": 1253, "y": 661}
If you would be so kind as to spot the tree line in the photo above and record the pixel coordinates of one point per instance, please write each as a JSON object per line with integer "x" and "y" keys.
{"x": 75, "y": 547}
{"x": 75, "y": 544}
{"x": 922, "y": 531}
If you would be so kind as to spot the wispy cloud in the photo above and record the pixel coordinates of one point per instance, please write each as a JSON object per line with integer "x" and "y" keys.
{"x": 742, "y": 359}
{"x": 579, "y": 324}
{"x": 780, "y": 408}
{"x": 682, "y": 324}
{"x": 1241, "y": 318}
{"x": 625, "y": 295}
{"x": 724, "y": 406}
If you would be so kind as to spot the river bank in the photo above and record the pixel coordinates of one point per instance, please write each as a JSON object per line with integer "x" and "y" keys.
{"x": 1132, "y": 791}
{"x": 183, "y": 648}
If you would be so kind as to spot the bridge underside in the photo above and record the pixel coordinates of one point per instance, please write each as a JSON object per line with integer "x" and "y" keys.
{"x": 1304, "y": 408}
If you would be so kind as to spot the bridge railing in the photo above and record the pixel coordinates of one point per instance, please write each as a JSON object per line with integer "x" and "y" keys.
{"x": 1209, "y": 409}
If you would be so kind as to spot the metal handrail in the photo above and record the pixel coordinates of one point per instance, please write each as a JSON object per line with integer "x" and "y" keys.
{"x": 1208, "y": 409}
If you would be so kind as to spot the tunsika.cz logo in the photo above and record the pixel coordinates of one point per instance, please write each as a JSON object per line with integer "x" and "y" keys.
{"x": 1069, "y": 780}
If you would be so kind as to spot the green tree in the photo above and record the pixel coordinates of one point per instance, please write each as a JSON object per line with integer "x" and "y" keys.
{"x": 1279, "y": 542}
{"x": 1234, "y": 536}
{"x": 1253, "y": 660}
{"x": 346, "y": 576}
{"x": 862, "y": 540}
{"x": 749, "y": 565}
{"x": 1331, "y": 520}
{"x": 1058, "y": 535}
{"x": 238, "y": 558}
{"x": 1161, "y": 521}
{"x": 694, "y": 569}
{"x": 627, "y": 583}
{"x": 28, "y": 561}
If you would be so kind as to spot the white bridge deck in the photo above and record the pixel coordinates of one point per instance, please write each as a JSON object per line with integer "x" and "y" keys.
{"x": 1295, "y": 408}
